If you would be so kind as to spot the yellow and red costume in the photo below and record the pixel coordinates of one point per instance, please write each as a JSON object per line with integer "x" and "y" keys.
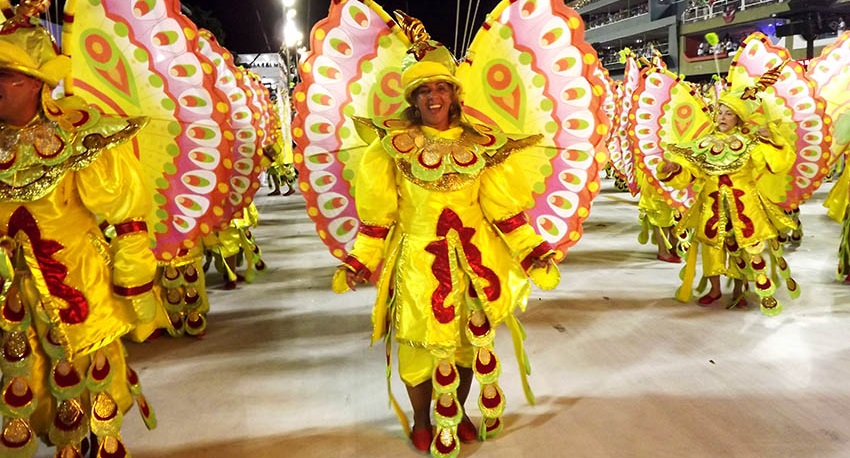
{"x": 442, "y": 212}
{"x": 736, "y": 178}
{"x": 68, "y": 295}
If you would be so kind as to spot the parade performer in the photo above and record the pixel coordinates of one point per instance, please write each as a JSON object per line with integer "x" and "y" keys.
{"x": 446, "y": 209}
{"x": 232, "y": 246}
{"x": 829, "y": 72}
{"x": 732, "y": 215}
{"x": 68, "y": 295}
{"x": 734, "y": 177}
{"x": 656, "y": 216}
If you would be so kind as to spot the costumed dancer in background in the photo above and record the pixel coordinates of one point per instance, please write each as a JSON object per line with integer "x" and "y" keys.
{"x": 443, "y": 195}
{"x": 656, "y": 216}
{"x": 67, "y": 295}
{"x": 832, "y": 80}
{"x": 278, "y": 161}
{"x": 234, "y": 246}
{"x": 734, "y": 218}
{"x": 734, "y": 174}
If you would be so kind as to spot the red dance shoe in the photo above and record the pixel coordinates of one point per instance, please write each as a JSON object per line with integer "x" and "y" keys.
{"x": 669, "y": 257}
{"x": 466, "y": 431}
{"x": 708, "y": 299}
{"x": 421, "y": 439}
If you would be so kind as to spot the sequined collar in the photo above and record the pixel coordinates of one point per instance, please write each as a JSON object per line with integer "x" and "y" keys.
{"x": 717, "y": 153}
{"x": 443, "y": 160}
{"x": 33, "y": 158}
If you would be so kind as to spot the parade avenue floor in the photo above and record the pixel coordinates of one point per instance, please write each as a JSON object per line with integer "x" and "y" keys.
{"x": 619, "y": 368}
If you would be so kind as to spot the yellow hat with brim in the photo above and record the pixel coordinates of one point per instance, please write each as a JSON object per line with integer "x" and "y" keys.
{"x": 742, "y": 108}
{"x": 31, "y": 51}
{"x": 423, "y": 72}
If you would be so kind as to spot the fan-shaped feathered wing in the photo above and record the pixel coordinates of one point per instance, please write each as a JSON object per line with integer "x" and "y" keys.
{"x": 137, "y": 60}
{"x": 353, "y": 68}
{"x": 831, "y": 73}
{"x": 794, "y": 106}
{"x": 529, "y": 71}
{"x": 665, "y": 111}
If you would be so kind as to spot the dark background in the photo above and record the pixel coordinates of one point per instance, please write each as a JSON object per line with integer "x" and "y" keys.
{"x": 252, "y": 26}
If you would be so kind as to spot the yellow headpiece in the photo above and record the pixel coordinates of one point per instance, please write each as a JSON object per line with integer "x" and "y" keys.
{"x": 28, "y": 48}
{"x": 426, "y": 60}
{"x": 746, "y": 101}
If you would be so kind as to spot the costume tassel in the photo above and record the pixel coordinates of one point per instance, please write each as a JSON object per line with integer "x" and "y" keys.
{"x": 688, "y": 273}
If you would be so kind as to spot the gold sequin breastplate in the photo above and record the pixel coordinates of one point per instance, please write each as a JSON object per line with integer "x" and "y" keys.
{"x": 35, "y": 157}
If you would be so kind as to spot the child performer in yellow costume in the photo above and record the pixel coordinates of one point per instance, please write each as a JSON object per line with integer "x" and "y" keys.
{"x": 438, "y": 201}
{"x": 67, "y": 295}
{"x": 736, "y": 172}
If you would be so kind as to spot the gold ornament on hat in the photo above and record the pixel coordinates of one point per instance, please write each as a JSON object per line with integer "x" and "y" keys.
{"x": 768, "y": 79}
{"x": 26, "y": 10}
{"x": 416, "y": 33}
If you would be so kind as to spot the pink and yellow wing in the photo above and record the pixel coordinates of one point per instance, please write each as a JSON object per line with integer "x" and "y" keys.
{"x": 665, "y": 111}
{"x": 831, "y": 73}
{"x": 529, "y": 71}
{"x": 631, "y": 79}
{"x": 793, "y": 104}
{"x": 353, "y": 68}
{"x": 611, "y": 106}
{"x": 135, "y": 59}
{"x": 241, "y": 180}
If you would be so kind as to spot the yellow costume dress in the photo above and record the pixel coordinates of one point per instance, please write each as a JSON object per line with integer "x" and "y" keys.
{"x": 654, "y": 211}
{"x": 736, "y": 178}
{"x": 442, "y": 211}
{"x": 69, "y": 295}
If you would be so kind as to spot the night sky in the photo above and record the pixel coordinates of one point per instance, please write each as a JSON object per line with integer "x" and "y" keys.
{"x": 246, "y": 23}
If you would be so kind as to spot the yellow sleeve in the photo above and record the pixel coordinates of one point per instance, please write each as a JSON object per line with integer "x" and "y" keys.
{"x": 838, "y": 198}
{"x": 772, "y": 163}
{"x": 112, "y": 188}
{"x": 376, "y": 199}
{"x": 684, "y": 177}
{"x": 504, "y": 196}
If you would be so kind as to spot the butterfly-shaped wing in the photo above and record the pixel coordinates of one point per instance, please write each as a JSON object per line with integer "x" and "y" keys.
{"x": 611, "y": 105}
{"x": 665, "y": 111}
{"x": 631, "y": 79}
{"x": 138, "y": 61}
{"x": 831, "y": 73}
{"x": 793, "y": 105}
{"x": 529, "y": 71}
{"x": 353, "y": 68}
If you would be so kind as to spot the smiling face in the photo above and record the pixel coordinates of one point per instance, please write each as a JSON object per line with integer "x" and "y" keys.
{"x": 19, "y": 97}
{"x": 434, "y": 101}
{"x": 726, "y": 119}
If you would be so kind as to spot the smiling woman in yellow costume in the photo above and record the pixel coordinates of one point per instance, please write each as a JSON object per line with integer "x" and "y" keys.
{"x": 441, "y": 204}
{"x": 67, "y": 295}
{"x": 738, "y": 175}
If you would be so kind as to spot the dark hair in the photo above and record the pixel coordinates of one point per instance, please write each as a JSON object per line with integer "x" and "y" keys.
{"x": 412, "y": 114}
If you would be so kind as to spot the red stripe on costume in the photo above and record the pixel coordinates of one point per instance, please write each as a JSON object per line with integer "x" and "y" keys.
{"x": 358, "y": 266}
{"x": 377, "y": 232}
{"x": 537, "y": 252}
{"x": 130, "y": 227}
{"x": 53, "y": 271}
{"x": 511, "y": 224}
{"x": 132, "y": 291}
{"x": 449, "y": 220}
